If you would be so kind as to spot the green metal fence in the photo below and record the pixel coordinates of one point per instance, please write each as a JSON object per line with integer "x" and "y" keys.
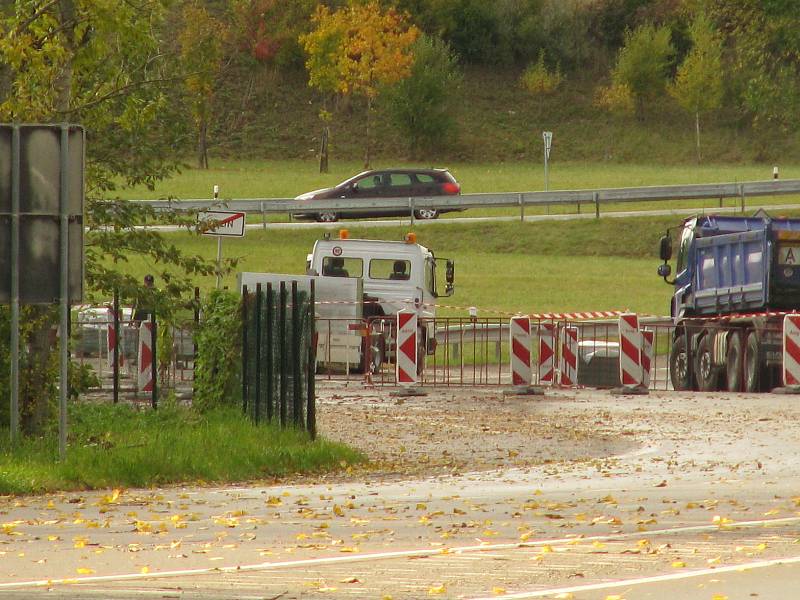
{"x": 278, "y": 355}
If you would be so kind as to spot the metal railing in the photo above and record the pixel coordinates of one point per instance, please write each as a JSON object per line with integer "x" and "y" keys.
{"x": 521, "y": 200}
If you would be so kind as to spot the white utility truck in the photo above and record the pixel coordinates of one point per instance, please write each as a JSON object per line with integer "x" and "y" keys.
{"x": 368, "y": 280}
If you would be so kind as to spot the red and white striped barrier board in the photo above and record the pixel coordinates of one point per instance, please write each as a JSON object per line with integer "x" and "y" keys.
{"x": 111, "y": 339}
{"x": 647, "y": 356}
{"x": 547, "y": 353}
{"x": 569, "y": 356}
{"x": 791, "y": 350}
{"x": 520, "y": 337}
{"x": 146, "y": 371}
{"x": 406, "y": 347}
{"x": 630, "y": 355}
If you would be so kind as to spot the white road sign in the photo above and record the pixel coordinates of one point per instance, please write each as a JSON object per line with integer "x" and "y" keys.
{"x": 229, "y": 224}
{"x": 548, "y": 142}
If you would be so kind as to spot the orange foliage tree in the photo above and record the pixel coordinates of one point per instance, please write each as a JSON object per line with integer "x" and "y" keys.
{"x": 358, "y": 49}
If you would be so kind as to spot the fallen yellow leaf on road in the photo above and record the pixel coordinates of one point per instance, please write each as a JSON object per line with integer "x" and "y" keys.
{"x": 439, "y": 589}
{"x": 498, "y": 591}
{"x": 678, "y": 564}
{"x": 84, "y": 571}
{"x": 719, "y": 597}
{"x": 144, "y": 570}
{"x": 565, "y": 596}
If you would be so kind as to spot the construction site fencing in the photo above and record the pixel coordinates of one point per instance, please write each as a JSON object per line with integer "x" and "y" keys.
{"x": 278, "y": 355}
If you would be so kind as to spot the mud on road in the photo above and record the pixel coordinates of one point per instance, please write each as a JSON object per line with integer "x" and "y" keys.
{"x": 454, "y": 431}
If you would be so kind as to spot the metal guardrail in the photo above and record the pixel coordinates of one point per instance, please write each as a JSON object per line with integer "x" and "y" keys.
{"x": 512, "y": 199}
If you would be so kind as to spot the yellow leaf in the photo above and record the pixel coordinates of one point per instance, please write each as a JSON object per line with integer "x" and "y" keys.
{"x": 439, "y": 589}
{"x": 714, "y": 561}
{"x": 719, "y": 597}
{"x": 422, "y": 506}
{"x": 598, "y": 545}
{"x": 546, "y": 549}
{"x": 327, "y": 589}
{"x": 350, "y": 580}
{"x": 614, "y": 597}
{"x": 53, "y": 538}
{"x": 498, "y": 591}
{"x": 565, "y": 596}
{"x": 338, "y": 511}
{"x": 144, "y": 570}
{"x": 678, "y": 564}
{"x": 761, "y": 547}
{"x": 84, "y": 571}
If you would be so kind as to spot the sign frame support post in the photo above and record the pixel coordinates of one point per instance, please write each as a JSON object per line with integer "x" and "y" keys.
{"x": 547, "y": 136}
{"x": 64, "y": 286}
{"x": 15, "y": 316}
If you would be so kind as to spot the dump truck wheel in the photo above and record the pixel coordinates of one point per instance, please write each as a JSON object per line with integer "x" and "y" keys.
{"x": 679, "y": 364}
{"x": 733, "y": 362}
{"x": 708, "y": 375}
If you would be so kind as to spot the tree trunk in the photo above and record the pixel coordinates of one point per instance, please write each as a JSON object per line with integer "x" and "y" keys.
{"x": 697, "y": 133}
{"x": 202, "y": 143}
{"x": 367, "y": 153}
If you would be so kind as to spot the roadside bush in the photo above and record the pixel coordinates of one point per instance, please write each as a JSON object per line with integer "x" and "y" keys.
{"x": 422, "y": 105}
{"x": 218, "y": 359}
{"x": 539, "y": 80}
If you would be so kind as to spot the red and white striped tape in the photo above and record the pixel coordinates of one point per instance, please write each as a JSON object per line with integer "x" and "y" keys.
{"x": 547, "y": 353}
{"x": 146, "y": 370}
{"x": 577, "y": 316}
{"x": 406, "y": 369}
{"x": 791, "y": 350}
{"x": 630, "y": 351}
{"x": 648, "y": 336}
{"x": 569, "y": 356}
{"x": 520, "y": 337}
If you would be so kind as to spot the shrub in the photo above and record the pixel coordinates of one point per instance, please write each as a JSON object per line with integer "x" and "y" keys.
{"x": 539, "y": 80}
{"x": 218, "y": 359}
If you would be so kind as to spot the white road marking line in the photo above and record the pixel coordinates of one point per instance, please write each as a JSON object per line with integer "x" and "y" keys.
{"x": 645, "y": 580}
{"x": 424, "y": 552}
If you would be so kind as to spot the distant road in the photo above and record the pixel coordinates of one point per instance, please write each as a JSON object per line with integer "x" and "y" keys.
{"x": 531, "y": 218}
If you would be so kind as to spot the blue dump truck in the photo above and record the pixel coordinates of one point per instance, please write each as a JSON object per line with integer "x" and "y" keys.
{"x": 732, "y": 275}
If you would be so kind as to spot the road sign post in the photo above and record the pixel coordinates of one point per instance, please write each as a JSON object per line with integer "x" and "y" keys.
{"x": 221, "y": 224}
{"x": 547, "y": 136}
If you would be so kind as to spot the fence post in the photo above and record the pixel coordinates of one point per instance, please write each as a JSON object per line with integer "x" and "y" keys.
{"x": 282, "y": 352}
{"x": 117, "y": 333}
{"x": 244, "y": 349}
{"x": 311, "y": 400}
{"x": 269, "y": 358}
{"x": 596, "y": 200}
{"x": 297, "y": 405}
{"x": 257, "y": 404}
{"x": 196, "y": 308}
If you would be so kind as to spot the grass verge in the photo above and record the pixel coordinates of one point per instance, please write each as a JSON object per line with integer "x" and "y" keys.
{"x": 119, "y": 446}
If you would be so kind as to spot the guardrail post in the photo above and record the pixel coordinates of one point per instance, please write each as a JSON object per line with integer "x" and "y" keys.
{"x": 741, "y": 195}
{"x": 521, "y": 208}
{"x": 411, "y": 210}
{"x": 596, "y": 200}
{"x": 263, "y": 217}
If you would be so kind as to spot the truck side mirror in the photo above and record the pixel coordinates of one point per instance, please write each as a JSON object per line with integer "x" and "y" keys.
{"x": 665, "y": 248}
{"x": 450, "y": 272}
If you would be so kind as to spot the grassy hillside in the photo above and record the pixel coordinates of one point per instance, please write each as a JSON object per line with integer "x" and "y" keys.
{"x": 498, "y": 121}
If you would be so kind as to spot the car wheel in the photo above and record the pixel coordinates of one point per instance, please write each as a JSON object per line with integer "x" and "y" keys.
{"x": 327, "y": 217}
{"x": 426, "y": 213}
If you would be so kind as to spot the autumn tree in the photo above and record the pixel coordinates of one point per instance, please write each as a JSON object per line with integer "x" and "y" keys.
{"x": 357, "y": 50}
{"x": 201, "y": 50}
{"x": 643, "y": 63}
{"x": 99, "y": 63}
{"x": 422, "y": 105}
{"x": 698, "y": 84}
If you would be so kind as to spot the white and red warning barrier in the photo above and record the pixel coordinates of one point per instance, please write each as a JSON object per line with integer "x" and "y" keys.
{"x": 146, "y": 370}
{"x": 648, "y": 336}
{"x": 407, "y": 347}
{"x": 547, "y": 353}
{"x": 791, "y": 350}
{"x": 630, "y": 351}
{"x": 520, "y": 334}
{"x": 112, "y": 335}
{"x": 569, "y": 356}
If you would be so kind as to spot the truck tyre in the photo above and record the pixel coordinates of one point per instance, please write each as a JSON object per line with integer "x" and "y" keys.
{"x": 753, "y": 374}
{"x": 708, "y": 375}
{"x": 680, "y": 372}
{"x": 733, "y": 362}
{"x": 327, "y": 217}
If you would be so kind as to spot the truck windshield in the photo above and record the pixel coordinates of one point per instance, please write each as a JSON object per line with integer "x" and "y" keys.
{"x": 686, "y": 238}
